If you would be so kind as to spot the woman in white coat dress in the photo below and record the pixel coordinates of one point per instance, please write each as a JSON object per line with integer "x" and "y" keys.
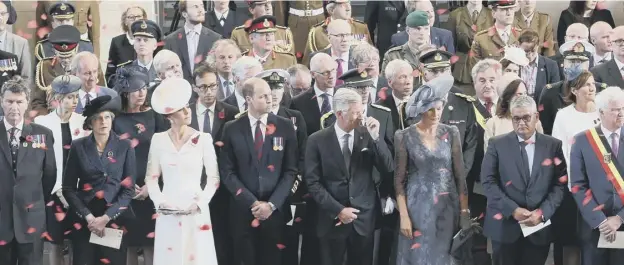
{"x": 183, "y": 229}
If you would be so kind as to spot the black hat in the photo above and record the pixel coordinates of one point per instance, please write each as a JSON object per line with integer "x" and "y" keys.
{"x": 577, "y": 50}
{"x": 436, "y": 59}
{"x": 65, "y": 39}
{"x": 355, "y": 78}
{"x": 502, "y": 3}
{"x": 274, "y": 77}
{"x": 62, "y": 10}
{"x": 65, "y": 84}
{"x": 146, "y": 28}
{"x": 262, "y": 24}
{"x": 12, "y": 14}
{"x": 100, "y": 104}
{"x": 130, "y": 78}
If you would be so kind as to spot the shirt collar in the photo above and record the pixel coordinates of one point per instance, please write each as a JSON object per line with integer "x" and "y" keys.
{"x": 82, "y": 94}
{"x": 340, "y": 133}
{"x": 8, "y": 126}
{"x": 201, "y": 108}
{"x": 197, "y": 28}
{"x": 276, "y": 110}
{"x": 536, "y": 61}
{"x": 531, "y": 139}
{"x": 529, "y": 18}
{"x": 619, "y": 64}
{"x": 507, "y": 30}
{"x": 148, "y": 66}
{"x": 344, "y": 57}
{"x": 223, "y": 79}
{"x": 478, "y": 8}
{"x": 607, "y": 57}
{"x": 608, "y": 133}
{"x": 397, "y": 101}
{"x": 220, "y": 15}
{"x": 318, "y": 92}
{"x": 253, "y": 121}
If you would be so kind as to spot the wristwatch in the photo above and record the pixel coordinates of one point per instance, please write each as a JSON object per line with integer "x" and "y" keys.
{"x": 273, "y": 208}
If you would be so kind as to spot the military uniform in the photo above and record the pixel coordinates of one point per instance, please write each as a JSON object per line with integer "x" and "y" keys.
{"x": 276, "y": 59}
{"x": 302, "y": 16}
{"x": 143, "y": 28}
{"x": 542, "y": 24}
{"x": 318, "y": 39}
{"x": 464, "y": 29}
{"x": 86, "y": 18}
{"x": 284, "y": 41}
{"x": 8, "y": 66}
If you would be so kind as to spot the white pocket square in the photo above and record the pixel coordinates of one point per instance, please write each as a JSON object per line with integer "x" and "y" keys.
{"x": 364, "y": 149}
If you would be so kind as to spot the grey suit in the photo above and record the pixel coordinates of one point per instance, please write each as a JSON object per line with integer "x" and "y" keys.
{"x": 608, "y": 73}
{"x": 24, "y": 193}
{"x": 102, "y": 91}
{"x": 19, "y": 46}
{"x": 176, "y": 42}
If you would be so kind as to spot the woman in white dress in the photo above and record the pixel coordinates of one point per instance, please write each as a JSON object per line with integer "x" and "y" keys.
{"x": 183, "y": 233}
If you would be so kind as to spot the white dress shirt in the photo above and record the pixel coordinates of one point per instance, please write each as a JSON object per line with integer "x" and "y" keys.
{"x": 263, "y": 124}
{"x": 340, "y": 134}
{"x": 472, "y": 9}
{"x": 319, "y": 98}
{"x": 221, "y": 15}
{"x": 201, "y": 111}
{"x": 192, "y": 41}
{"x": 240, "y": 100}
{"x": 398, "y": 101}
{"x": 18, "y": 132}
{"x": 530, "y": 149}
{"x": 528, "y": 19}
{"x": 607, "y": 57}
{"x": 146, "y": 66}
{"x": 608, "y": 133}
{"x": 83, "y": 96}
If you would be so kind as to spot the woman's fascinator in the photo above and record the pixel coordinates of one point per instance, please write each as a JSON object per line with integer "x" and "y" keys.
{"x": 130, "y": 78}
{"x": 98, "y": 105}
{"x": 516, "y": 55}
{"x": 435, "y": 90}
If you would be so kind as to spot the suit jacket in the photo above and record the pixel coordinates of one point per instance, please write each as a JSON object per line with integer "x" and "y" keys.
{"x": 567, "y": 18}
{"x": 110, "y": 176}
{"x": 334, "y": 186}
{"x": 232, "y": 101}
{"x": 389, "y": 102}
{"x": 542, "y": 24}
{"x": 19, "y": 46}
{"x": 176, "y": 42}
{"x": 223, "y": 114}
{"x": 307, "y": 104}
{"x": 120, "y": 51}
{"x": 23, "y": 195}
{"x": 439, "y": 37}
{"x": 254, "y": 180}
{"x": 102, "y": 91}
{"x": 547, "y": 73}
{"x": 608, "y": 73}
{"x": 384, "y": 180}
{"x": 232, "y": 20}
{"x": 507, "y": 187}
{"x": 385, "y": 17}
{"x": 587, "y": 173}
{"x": 53, "y": 122}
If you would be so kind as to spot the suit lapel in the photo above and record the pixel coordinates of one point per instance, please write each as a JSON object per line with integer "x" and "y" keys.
{"x": 194, "y": 122}
{"x": 246, "y": 130}
{"x": 334, "y": 149}
{"x": 216, "y": 120}
{"x": 90, "y": 149}
{"x": 229, "y": 22}
{"x": 184, "y": 47}
{"x": 540, "y": 78}
{"x": 615, "y": 73}
{"x": 4, "y": 142}
{"x": 538, "y": 156}
{"x": 202, "y": 45}
{"x": 514, "y": 146}
{"x": 21, "y": 153}
{"x": 267, "y": 145}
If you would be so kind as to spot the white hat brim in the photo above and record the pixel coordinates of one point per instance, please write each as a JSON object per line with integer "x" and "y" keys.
{"x": 171, "y": 95}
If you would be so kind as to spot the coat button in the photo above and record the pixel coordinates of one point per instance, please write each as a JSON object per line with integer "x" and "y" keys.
{"x": 106, "y": 175}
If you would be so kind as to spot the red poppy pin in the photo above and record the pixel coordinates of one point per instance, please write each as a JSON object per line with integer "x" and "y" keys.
{"x": 140, "y": 127}
{"x": 474, "y": 28}
{"x": 195, "y": 140}
{"x": 270, "y": 129}
{"x": 29, "y": 138}
{"x": 221, "y": 115}
{"x": 76, "y": 132}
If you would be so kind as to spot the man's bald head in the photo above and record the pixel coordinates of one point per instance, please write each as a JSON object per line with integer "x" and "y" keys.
{"x": 324, "y": 70}
{"x": 576, "y": 31}
{"x": 319, "y": 61}
{"x": 600, "y": 33}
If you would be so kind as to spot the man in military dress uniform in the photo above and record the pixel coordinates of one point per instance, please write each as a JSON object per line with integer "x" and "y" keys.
{"x": 528, "y": 17}
{"x": 490, "y": 43}
{"x": 262, "y": 35}
{"x": 8, "y": 68}
{"x": 146, "y": 34}
{"x": 317, "y": 37}
{"x": 419, "y": 35}
{"x": 62, "y": 14}
{"x": 86, "y": 17}
{"x": 303, "y": 15}
{"x": 276, "y": 78}
{"x": 284, "y": 41}
{"x": 552, "y": 97}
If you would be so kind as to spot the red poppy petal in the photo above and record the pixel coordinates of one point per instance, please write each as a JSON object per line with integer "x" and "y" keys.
{"x": 51, "y": 203}
{"x": 114, "y": 225}
{"x": 127, "y": 182}
{"x": 557, "y": 161}
{"x": 416, "y": 73}
{"x": 547, "y": 162}
{"x": 99, "y": 194}
{"x": 417, "y": 233}
{"x": 540, "y": 107}
{"x": 87, "y": 187}
{"x": 199, "y": 58}
{"x": 281, "y": 246}
{"x": 238, "y": 192}
{"x": 66, "y": 147}
{"x": 204, "y": 227}
{"x": 31, "y": 230}
{"x": 46, "y": 236}
{"x": 112, "y": 159}
{"x": 588, "y": 193}
{"x": 298, "y": 219}
{"x": 598, "y": 208}
{"x": 154, "y": 216}
{"x": 441, "y": 11}
{"x": 59, "y": 216}
{"x": 151, "y": 235}
{"x": 255, "y": 223}
{"x": 575, "y": 189}
{"x": 498, "y": 216}
{"x": 507, "y": 183}
{"x": 454, "y": 59}
{"x": 586, "y": 200}
{"x": 29, "y": 206}
{"x": 563, "y": 179}
{"x": 219, "y": 144}
{"x": 416, "y": 245}
{"x": 124, "y": 136}
{"x": 78, "y": 226}
{"x": 474, "y": 27}
{"x": 105, "y": 261}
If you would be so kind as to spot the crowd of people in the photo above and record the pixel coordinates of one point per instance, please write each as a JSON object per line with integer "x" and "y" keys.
{"x": 298, "y": 135}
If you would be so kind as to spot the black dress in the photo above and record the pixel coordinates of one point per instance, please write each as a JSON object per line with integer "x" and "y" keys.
{"x": 139, "y": 128}
{"x": 57, "y": 226}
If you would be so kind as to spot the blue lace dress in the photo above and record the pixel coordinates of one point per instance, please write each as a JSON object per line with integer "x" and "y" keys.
{"x": 429, "y": 179}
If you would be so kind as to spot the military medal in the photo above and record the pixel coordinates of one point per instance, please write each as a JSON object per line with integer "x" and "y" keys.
{"x": 607, "y": 158}
{"x": 14, "y": 64}
{"x": 110, "y": 154}
{"x": 42, "y": 144}
{"x": 275, "y": 147}
{"x": 280, "y": 143}
{"x": 35, "y": 142}
{"x": 450, "y": 107}
{"x": 294, "y": 121}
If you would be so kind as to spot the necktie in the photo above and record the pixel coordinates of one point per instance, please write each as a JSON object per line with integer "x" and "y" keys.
{"x": 245, "y": 105}
{"x": 325, "y": 107}
{"x": 258, "y": 141}
{"x": 87, "y": 99}
{"x": 207, "y": 127}
{"x": 14, "y": 147}
{"x": 528, "y": 22}
{"x": 614, "y": 144}
{"x": 339, "y": 72}
{"x": 228, "y": 92}
{"x": 475, "y": 15}
{"x": 402, "y": 114}
{"x": 505, "y": 37}
{"x": 346, "y": 152}
{"x": 488, "y": 107}
{"x": 222, "y": 20}
{"x": 192, "y": 48}
{"x": 525, "y": 159}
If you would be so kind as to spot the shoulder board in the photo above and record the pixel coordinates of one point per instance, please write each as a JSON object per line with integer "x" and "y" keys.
{"x": 380, "y": 107}
{"x": 122, "y": 64}
{"x": 353, "y": 20}
{"x": 396, "y": 48}
{"x": 43, "y": 40}
{"x": 240, "y": 27}
{"x": 240, "y": 114}
{"x": 281, "y": 27}
{"x": 468, "y": 98}
{"x": 324, "y": 117}
{"x": 482, "y": 32}
{"x": 245, "y": 52}
{"x": 85, "y": 40}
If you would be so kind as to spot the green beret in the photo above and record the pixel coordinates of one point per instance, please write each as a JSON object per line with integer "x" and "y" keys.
{"x": 417, "y": 19}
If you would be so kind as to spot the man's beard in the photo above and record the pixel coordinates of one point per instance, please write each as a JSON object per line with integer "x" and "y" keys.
{"x": 195, "y": 22}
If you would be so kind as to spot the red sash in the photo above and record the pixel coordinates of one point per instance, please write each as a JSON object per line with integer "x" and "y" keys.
{"x": 607, "y": 161}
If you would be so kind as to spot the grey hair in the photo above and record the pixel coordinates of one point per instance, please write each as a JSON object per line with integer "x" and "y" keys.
{"x": 330, "y": 7}
{"x": 523, "y": 101}
{"x": 363, "y": 52}
{"x": 242, "y": 65}
{"x": 17, "y": 84}
{"x": 161, "y": 59}
{"x": 394, "y": 66}
{"x": 211, "y": 59}
{"x": 344, "y": 98}
{"x": 296, "y": 70}
{"x": 79, "y": 57}
{"x": 608, "y": 95}
{"x": 484, "y": 65}
{"x": 89, "y": 120}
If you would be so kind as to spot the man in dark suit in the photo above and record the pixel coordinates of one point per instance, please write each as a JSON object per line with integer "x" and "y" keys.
{"x": 523, "y": 174}
{"x": 610, "y": 72}
{"x": 210, "y": 116}
{"x": 28, "y": 176}
{"x": 399, "y": 76}
{"x": 386, "y": 17}
{"x": 339, "y": 165}
{"x": 193, "y": 41}
{"x": 223, "y": 55}
{"x": 244, "y": 68}
{"x": 339, "y": 33}
{"x": 441, "y": 38}
{"x": 224, "y": 18}
{"x": 540, "y": 70}
{"x": 595, "y": 171}
{"x": 258, "y": 165}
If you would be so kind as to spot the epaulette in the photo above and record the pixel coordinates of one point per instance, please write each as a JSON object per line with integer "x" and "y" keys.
{"x": 245, "y": 52}
{"x": 281, "y": 27}
{"x": 380, "y": 107}
{"x": 396, "y": 48}
{"x": 240, "y": 114}
{"x": 482, "y": 32}
{"x": 39, "y": 75}
{"x": 355, "y": 20}
{"x": 468, "y": 98}
{"x": 85, "y": 40}
{"x": 283, "y": 52}
{"x": 240, "y": 27}
{"x": 122, "y": 64}
{"x": 43, "y": 40}
{"x": 324, "y": 117}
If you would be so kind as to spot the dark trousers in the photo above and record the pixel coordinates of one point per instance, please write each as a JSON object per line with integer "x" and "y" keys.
{"x": 310, "y": 252}
{"x": 387, "y": 238}
{"x": 592, "y": 255}
{"x": 25, "y": 254}
{"x": 219, "y": 207}
{"x": 261, "y": 245}
{"x": 521, "y": 252}
{"x": 359, "y": 249}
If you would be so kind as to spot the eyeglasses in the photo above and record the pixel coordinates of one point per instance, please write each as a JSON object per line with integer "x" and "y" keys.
{"x": 525, "y": 118}
{"x": 342, "y": 36}
{"x": 205, "y": 88}
{"x": 618, "y": 42}
{"x": 327, "y": 73}
{"x": 134, "y": 17}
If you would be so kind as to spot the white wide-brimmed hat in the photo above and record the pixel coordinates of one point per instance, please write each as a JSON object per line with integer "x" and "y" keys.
{"x": 171, "y": 95}
{"x": 516, "y": 55}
